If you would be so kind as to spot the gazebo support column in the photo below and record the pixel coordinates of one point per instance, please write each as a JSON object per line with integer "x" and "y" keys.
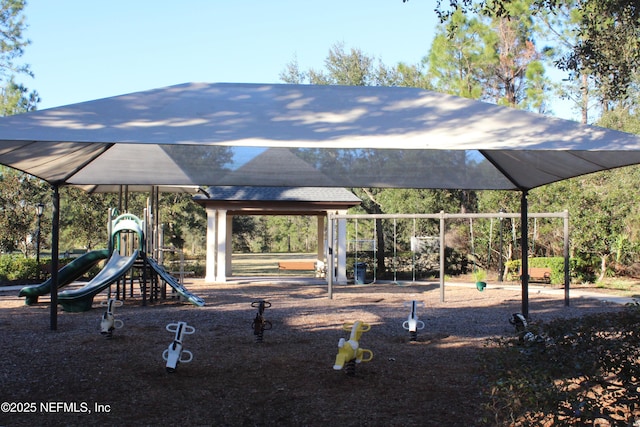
{"x": 341, "y": 273}
{"x": 229, "y": 246}
{"x": 321, "y": 237}
{"x": 218, "y": 234}
{"x": 221, "y": 246}
{"x": 210, "y": 275}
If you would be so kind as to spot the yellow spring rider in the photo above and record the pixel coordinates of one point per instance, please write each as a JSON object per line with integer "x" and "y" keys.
{"x": 349, "y": 351}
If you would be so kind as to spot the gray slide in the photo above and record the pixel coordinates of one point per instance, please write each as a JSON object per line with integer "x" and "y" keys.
{"x": 175, "y": 284}
{"x": 82, "y": 299}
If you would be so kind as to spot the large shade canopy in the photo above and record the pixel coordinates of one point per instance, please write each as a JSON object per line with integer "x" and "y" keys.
{"x": 201, "y": 134}
{"x": 302, "y": 135}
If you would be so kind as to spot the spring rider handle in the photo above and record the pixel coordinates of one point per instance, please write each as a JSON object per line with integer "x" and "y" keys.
{"x": 261, "y": 304}
{"x": 259, "y": 324}
{"x": 108, "y": 322}
{"x": 176, "y": 353}
{"x": 349, "y": 351}
{"x": 413, "y": 324}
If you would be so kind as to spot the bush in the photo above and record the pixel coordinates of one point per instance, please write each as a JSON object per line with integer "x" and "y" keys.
{"x": 17, "y": 268}
{"x": 574, "y": 371}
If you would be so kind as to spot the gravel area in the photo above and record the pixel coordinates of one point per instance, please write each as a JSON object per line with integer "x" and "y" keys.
{"x": 76, "y": 376}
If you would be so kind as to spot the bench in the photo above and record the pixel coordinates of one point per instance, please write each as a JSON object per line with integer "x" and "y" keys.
{"x": 538, "y": 274}
{"x": 297, "y": 265}
{"x": 317, "y": 266}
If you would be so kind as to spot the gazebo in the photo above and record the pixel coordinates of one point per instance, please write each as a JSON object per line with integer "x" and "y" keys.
{"x": 222, "y": 203}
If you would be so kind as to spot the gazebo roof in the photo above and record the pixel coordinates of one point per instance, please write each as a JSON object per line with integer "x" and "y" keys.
{"x": 247, "y": 200}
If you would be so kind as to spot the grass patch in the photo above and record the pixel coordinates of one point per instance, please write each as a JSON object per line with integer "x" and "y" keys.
{"x": 267, "y": 264}
{"x": 620, "y": 286}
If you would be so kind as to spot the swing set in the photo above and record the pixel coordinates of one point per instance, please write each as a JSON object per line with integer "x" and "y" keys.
{"x": 423, "y": 251}
{"x": 364, "y": 248}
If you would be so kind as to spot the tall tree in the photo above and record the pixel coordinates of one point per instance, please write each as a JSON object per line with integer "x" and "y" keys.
{"x": 19, "y": 195}
{"x": 494, "y": 58}
{"x": 608, "y": 39}
{"x": 561, "y": 27}
{"x": 353, "y": 67}
{"x": 517, "y": 78}
{"x": 608, "y": 46}
{"x": 14, "y": 97}
{"x": 457, "y": 57}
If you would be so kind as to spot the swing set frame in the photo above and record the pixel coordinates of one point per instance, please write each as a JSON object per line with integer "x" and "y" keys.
{"x": 417, "y": 244}
{"x": 443, "y": 217}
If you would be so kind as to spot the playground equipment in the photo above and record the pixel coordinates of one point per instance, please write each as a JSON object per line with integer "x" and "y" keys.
{"x": 413, "y": 324}
{"x": 349, "y": 351}
{"x": 423, "y": 248}
{"x": 173, "y": 355}
{"x": 82, "y": 299}
{"x": 67, "y": 274}
{"x": 174, "y": 283}
{"x": 127, "y": 245}
{"x": 259, "y": 324}
{"x": 478, "y": 273}
{"x": 363, "y": 245}
{"x": 109, "y": 322}
{"x": 520, "y": 322}
{"x": 522, "y": 329}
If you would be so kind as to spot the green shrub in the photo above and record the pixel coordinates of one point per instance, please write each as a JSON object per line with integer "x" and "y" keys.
{"x": 574, "y": 372}
{"x": 17, "y": 267}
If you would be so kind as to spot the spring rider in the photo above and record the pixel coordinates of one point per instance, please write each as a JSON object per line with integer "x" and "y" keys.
{"x": 108, "y": 322}
{"x": 413, "y": 324}
{"x": 259, "y": 324}
{"x": 174, "y": 354}
{"x": 349, "y": 351}
{"x": 522, "y": 329}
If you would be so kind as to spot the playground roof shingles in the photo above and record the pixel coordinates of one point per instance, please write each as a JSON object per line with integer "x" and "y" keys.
{"x": 280, "y": 194}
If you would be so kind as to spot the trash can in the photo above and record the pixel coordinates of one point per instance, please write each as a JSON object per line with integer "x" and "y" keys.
{"x": 359, "y": 272}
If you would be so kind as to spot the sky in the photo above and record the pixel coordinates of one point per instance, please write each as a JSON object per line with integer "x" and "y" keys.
{"x": 83, "y": 50}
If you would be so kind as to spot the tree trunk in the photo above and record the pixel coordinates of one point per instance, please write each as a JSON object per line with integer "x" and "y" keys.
{"x": 603, "y": 267}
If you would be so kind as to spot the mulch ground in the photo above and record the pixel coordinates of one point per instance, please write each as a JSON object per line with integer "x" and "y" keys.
{"x": 75, "y": 376}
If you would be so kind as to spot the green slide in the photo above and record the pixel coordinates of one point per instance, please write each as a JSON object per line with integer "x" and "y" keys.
{"x": 82, "y": 299}
{"x": 67, "y": 274}
{"x": 175, "y": 284}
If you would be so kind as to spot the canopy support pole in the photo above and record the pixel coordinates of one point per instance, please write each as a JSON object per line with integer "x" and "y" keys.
{"x": 442, "y": 255}
{"x": 55, "y": 241}
{"x": 524, "y": 227}
{"x": 567, "y": 276}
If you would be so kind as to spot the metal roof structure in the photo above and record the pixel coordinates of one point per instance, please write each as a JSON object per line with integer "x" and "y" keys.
{"x": 201, "y": 134}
